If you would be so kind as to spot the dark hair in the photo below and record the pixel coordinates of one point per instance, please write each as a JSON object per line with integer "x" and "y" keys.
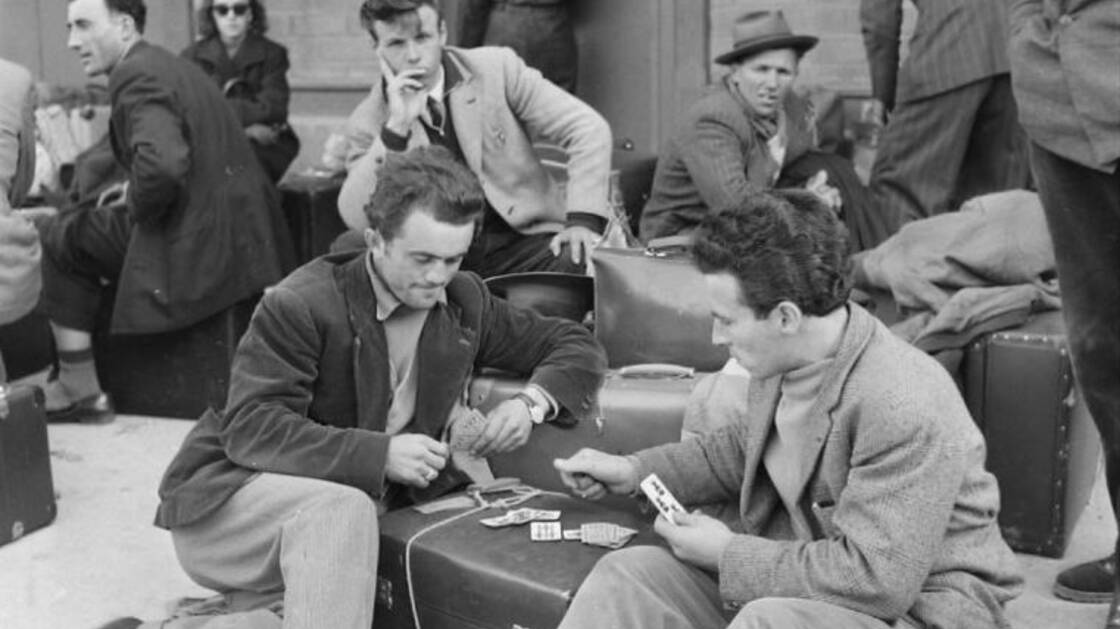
{"x": 427, "y": 178}
{"x": 207, "y": 28}
{"x": 389, "y": 10}
{"x": 136, "y": 9}
{"x": 782, "y": 245}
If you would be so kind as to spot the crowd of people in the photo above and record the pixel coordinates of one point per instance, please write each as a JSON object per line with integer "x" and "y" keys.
{"x": 856, "y": 480}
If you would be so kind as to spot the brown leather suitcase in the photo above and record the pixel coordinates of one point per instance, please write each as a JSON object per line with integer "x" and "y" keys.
{"x": 638, "y": 407}
{"x": 454, "y": 573}
{"x": 310, "y": 205}
{"x": 651, "y": 307}
{"x": 1042, "y": 445}
{"x": 26, "y": 488}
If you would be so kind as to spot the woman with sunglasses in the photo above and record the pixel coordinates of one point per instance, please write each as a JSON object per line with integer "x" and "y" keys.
{"x": 252, "y": 72}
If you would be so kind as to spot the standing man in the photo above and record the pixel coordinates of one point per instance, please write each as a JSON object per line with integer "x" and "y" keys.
{"x": 487, "y": 107}
{"x": 199, "y": 228}
{"x": 1065, "y": 59}
{"x": 858, "y": 472}
{"x": 340, "y": 391}
{"x": 952, "y": 132}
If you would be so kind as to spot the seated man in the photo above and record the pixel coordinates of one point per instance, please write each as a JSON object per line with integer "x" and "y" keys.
{"x": 751, "y": 133}
{"x": 340, "y": 392}
{"x": 199, "y": 229}
{"x": 486, "y": 106}
{"x": 857, "y": 470}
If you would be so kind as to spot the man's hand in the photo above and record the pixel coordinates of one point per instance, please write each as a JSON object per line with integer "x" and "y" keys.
{"x": 415, "y": 459}
{"x": 590, "y": 474}
{"x": 581, "y": 240}
{"x": 406, "y": 97}
{"x": 696, "y": 538}
{"x": 261, "y": 133}
{"x": 507, "y": 428}
{"x": 830, "y": 196}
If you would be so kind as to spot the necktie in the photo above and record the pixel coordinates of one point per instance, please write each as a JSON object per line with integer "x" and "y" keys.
{"x": 435, "y": 115}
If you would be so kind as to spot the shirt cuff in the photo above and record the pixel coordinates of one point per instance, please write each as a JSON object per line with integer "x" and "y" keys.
{"x": 543, "y": 398}
{"x": 393, "y": 141}
{"x": 594, "y": 222}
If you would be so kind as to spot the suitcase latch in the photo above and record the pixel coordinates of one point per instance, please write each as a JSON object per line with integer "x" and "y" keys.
{"x": 17, "y": 530}
{"x": 385, "y": 592}
{"x": 3, "y": 402}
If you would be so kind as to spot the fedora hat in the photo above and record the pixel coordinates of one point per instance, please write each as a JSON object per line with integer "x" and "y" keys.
{"x": 551, "y": 294}
{"x": 763, "y": 30}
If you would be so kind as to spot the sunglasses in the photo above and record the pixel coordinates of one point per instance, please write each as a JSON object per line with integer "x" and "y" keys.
{"x": 222, "y": 10}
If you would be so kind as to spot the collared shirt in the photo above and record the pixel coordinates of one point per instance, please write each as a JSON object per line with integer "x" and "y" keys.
{"x": 403, "y": 325}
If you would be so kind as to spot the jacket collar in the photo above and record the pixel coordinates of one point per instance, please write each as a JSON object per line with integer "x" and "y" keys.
{"x": 464, "y": 93}
{"x": 252, "y": 51}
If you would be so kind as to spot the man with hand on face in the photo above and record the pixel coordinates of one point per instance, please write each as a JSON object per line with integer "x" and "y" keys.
{"x": 340, "y": 391}
{"x": 858, "y": 472}
{"x": 487, "y": 107}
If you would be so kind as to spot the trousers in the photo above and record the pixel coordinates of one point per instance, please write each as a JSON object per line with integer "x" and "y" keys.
{"x": 1082, "y": 208}
{"x": 646, "y": 587}
{"x": 309, "y": 542}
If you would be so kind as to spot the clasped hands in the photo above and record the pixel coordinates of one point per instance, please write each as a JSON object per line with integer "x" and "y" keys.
{"x": 416, "y": 459}
{"x": 694, "y": 538}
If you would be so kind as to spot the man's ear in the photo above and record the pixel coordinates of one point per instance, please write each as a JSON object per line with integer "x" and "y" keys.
{"x": 788, "y": 316}
{"x": 373, "y": 238}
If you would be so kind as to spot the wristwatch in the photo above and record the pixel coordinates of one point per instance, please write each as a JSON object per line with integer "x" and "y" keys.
{"x": 536, "y": 409}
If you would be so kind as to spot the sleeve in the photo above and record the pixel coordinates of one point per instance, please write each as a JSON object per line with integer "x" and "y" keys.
{"x": 887, "y": 527}
{"x": 365, "y": 154}
{"x": 160, "y": 154}
{"x": 549, "y": 112}
{"x": 562, "y": 356}
{"x": 881, "y": 24}
{"x": 15, "y": 89}
{"x": 714, "y": 156}
{"x": 475, "y": 18}
{"x": 1022, "y": 11}
{"x": 269, "y": 105}
{"x": 699, "y": 471}
{"x": 266, "y": 424}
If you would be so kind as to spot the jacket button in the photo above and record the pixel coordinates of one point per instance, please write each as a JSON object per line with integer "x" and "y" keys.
{"x": 1065, "y": 20}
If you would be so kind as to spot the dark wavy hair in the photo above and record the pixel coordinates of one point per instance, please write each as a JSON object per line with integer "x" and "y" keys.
{"x": 207, "y": 28}
{"x": 389, "y": 10}
{"x": 136, "y": 9}
{"x": 782, "y": 245}
{"x": 429, "y": 177}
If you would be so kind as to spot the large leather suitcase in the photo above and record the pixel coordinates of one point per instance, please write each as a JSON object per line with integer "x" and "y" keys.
{"x": 651, "y": 307}
{"x": 1042, "y": 444}
{"x": 26, "y": 487}
{"x": 445, "y": 570}
{"x": 637, "y": 407}
{"x": 310, "y": 205}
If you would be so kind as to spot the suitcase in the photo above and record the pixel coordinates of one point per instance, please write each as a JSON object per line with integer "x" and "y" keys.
{"x": 458, "y": 574}
{"x": 172, "y": 374}
{"x": 26, "y": 488}
{"x": 1042, "y": 445}
{"x": 26, "y": 345}
{"x": 638, "y": 407}
{"x": 651, "y": 307}
{"x": 310, "y": 205}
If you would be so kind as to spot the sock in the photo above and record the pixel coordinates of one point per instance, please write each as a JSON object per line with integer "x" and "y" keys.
{"x": 77, "y": 374}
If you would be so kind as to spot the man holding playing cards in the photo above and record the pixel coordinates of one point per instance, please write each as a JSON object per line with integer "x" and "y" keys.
{"x": 857, "y": 471}
{"x": 340, "y": 393}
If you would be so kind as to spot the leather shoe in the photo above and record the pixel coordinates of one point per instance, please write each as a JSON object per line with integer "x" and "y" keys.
{"x": 1089, "y": 582}
{"x": 95, "y": 409}
{"x": 129, "y": 622}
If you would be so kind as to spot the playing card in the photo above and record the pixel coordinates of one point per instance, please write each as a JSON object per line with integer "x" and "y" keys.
{"x": 573, "y": 535}
{"x": 660, "y": 497}
{"x": 545, "y": 532}
{"x": 540, "y": 515}
{"x": 466, "y": 428}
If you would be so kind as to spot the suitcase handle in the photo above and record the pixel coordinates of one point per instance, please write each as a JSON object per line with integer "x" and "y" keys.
{"x": 656, "y": 370}
{"x": 669, "y": 245}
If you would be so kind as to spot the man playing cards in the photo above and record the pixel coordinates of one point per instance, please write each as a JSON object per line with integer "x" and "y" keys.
{"x": 340, "y": 393}
{"x": 857, "y": 471}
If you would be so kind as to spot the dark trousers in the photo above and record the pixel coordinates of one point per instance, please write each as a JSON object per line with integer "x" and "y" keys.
{"x": 1083, "y": 213}
{"x": 938, "y": 152}
{"x": 499, "y": 249}
{"x": 81, "y": 249}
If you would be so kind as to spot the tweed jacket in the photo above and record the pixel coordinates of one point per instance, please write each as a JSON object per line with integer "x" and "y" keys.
{"x": 17, "y": 133}
{"x": 310, "y": 387}
{"x": 955, "y": 42}
{"x": 255, "y": 79}
{"x": 717, "y": 158}
{"x": 903, "y": 511}
{"x": 208, "y": 230}
{"x": 499, "y": 109}
{"x": 1065, "y": 56}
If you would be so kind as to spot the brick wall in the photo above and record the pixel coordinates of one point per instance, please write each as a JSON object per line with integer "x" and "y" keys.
{"x": 838, "y": 62}
{"x": 325, "y": 41}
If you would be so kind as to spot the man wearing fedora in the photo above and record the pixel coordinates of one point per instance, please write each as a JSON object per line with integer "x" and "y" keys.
{"x": 749, "y": 133}
{"x": 952, "y": 132}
